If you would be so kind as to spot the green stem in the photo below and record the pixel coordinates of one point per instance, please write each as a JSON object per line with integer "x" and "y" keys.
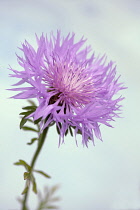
{"x": 40, "y": 144}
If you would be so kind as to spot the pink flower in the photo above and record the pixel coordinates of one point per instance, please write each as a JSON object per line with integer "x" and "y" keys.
{"x": 74, "y": 88}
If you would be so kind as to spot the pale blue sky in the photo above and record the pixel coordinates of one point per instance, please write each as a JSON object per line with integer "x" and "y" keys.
{"x": 104, "y": 177}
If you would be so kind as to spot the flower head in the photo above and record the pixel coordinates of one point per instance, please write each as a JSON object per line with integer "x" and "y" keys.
{"x": 74, "y": 88}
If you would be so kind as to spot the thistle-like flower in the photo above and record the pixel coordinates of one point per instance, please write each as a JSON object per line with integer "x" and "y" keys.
{"x": 74, "y": 88}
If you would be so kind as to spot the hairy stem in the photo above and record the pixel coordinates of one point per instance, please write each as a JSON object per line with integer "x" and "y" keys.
{"x": 40, "y": 144}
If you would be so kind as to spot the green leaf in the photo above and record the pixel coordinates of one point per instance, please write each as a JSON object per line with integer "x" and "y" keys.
{"x": 26, "y": 114}
{"x": 42, "y": 173}
{"x": 53, "y": 189}
{"x": 37, "y": 121}
{"x": 34, "y": 186}
{"x": 26, "y": 175}
{"x": 29, "y": 120}
{"x": 31, "y": 102}
{"x": 32, "y": 141}
{"x": 52, "y": 207}
{"x": 22, "y": 122}
{"x": 26, "y": 128}
{"x": 47, "y": 200}
{"x": 25, "y": 190}
{"x": 30, "y": 108}
{"x": 23, "y": 163}
{"x": 54, "y": 199}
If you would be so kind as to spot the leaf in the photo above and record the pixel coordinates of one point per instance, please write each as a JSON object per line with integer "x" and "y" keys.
{"x": 30, "y": 108}
{"x": 31, "y": 102}
{"x": 42, "y": 173}
{"x": 26, "y": 175}
{"x": 47, "y": 200}
{"x": 26, "y": 113}
{"x": 32, "y": 141}
{"x": 52, "y": 207}
{"x": 22, "y": 122}
{"x": 26, "y": 128}
{"x": 25, "y": 190}
{"x": 20, "y": 200}
{"x": 29, "y": 120}
{"x": 23, "y": 163}
{"x": 37, "y": 121}
{"x": 53, "y": 189}
{"x": 55, "y": 199}
{"x": 34, "y": 186}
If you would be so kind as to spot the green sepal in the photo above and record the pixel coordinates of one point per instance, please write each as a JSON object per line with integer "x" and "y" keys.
{"x": 71, "y": 132}
{"x": 25, "y": 190}
{"x": 58, "y": 130}
{"x": 66, "y": 132}
{"x": 23, "y": 163}
{"x": 79, "y": 132}
{"x": 42, "y": 173}
{"x": 26, "y": 175}
{"x": 32, "y": 141}
{"x": 26, "y": 128}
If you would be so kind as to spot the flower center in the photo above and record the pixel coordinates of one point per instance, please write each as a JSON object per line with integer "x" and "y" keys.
{"x": 74, "y": 84}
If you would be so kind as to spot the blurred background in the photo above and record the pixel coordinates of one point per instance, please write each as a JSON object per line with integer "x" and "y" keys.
{"x": 104, "y": 177}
